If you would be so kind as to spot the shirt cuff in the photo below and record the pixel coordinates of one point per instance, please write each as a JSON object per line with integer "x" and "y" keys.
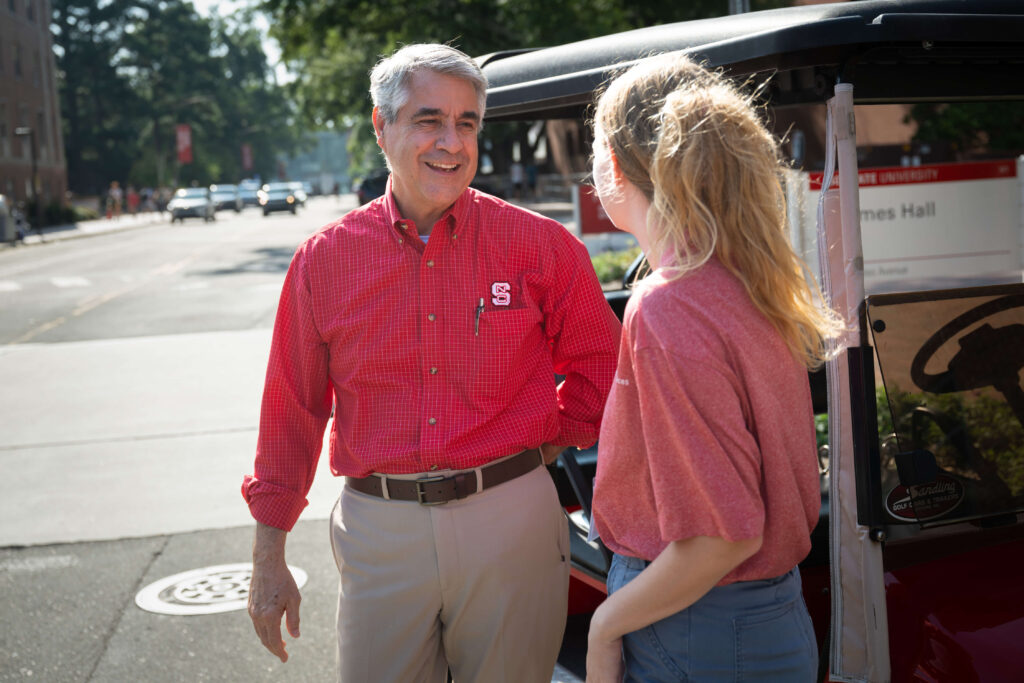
{"x": 273, "y": 505}
{"x": 571, "y": 432}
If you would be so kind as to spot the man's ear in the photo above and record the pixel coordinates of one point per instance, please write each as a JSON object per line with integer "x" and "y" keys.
{"x": 378, "y": 125}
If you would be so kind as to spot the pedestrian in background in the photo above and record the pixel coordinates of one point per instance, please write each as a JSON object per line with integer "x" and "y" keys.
{"x": 115, "y": 197}
{"x": 433, "y": 320}
{"x": 515, "y": 176}
{"x": 133, "y": 199}
{"x": 707, "y": 479}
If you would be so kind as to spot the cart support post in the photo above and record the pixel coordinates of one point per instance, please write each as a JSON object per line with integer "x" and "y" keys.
{"x": 860, "y": 634}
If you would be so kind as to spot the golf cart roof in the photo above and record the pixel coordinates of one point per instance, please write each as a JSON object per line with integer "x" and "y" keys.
{"x": 892, "y": 50}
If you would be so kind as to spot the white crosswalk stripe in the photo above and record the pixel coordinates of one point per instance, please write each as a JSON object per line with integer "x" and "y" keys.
{"x": 192, "y": 286}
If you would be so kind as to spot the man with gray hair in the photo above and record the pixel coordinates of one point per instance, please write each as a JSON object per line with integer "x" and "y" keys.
{"x": 432, "y": 320}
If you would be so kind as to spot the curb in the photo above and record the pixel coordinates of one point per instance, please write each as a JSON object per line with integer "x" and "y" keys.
{"x": 71, "y": 231}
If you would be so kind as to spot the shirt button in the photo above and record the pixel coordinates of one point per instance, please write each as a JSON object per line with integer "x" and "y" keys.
{"x": 430, "y": 264}
{"x": 432, "y": 421}
{"x": 431, "y": 317}
{"x": 433, "y": 371}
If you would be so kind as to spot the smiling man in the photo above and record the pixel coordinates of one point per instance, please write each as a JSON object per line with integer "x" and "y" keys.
{"x": 433, "y": 321}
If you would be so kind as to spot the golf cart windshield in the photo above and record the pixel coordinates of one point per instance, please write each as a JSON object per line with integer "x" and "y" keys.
{"x": 953, "y": 435}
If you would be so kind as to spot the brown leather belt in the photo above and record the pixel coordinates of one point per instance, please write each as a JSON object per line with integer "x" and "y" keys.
{"x": 441, "y": 489}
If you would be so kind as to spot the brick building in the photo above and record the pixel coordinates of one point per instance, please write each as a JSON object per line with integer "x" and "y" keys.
{"x": 29, "y": 102}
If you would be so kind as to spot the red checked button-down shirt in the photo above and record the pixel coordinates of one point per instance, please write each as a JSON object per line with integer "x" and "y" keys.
{"x": 438, "y": 355}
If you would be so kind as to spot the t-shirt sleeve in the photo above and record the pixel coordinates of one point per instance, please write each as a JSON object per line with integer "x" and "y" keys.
{"x": 705, "y": 464}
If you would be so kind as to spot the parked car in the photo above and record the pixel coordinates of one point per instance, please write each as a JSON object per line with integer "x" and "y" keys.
{"x": 191, "y": 202}
{"x": 226, "y": 197}
{"x": 249, "y": 191}
{"x": 372, "y": 186}
{"x": 915, "y": 568}
{"x": 299, "y": 191}
{"x": 278, "y": 197}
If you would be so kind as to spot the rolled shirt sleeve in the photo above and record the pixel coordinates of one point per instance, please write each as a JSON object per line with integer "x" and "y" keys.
{"x": 584, "y": 336}
{"x": 296, "y": 407}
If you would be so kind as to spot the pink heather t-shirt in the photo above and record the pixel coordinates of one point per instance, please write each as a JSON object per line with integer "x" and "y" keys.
{"x": 708, "y": 430}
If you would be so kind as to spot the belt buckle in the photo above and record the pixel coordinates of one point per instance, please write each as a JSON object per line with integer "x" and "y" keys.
{"x": 420, "y": 492}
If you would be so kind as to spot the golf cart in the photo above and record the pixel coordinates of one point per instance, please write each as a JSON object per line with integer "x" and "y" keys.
{"x": 916, "y": 567}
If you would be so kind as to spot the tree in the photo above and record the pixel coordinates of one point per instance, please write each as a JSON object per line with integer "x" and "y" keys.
{"x": 986, "y": 128}
{"x": 333, "y": 45}
{"x": 131, "y": 70}
{"x": 94, "y": 98}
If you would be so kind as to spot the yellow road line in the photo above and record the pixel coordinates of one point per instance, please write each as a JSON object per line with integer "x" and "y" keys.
{"x": 93, "y": 302}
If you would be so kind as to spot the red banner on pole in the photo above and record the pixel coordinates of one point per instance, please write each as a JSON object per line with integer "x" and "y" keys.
{"x": 183, "y": 135}
{"x": 246, "y": 156}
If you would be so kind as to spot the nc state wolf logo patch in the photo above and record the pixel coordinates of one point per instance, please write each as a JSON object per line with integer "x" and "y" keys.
{"x": 500, "y": 293}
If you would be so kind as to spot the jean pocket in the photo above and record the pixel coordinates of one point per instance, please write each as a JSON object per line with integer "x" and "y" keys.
{"x": 660, "y": 651}
{"x": 772, "y": 645}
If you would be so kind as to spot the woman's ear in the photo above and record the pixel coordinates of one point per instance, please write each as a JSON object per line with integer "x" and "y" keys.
{"x": 617, "y": 174}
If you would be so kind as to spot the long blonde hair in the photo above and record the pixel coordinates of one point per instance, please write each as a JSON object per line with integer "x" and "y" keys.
{"x": 712, "y": 172}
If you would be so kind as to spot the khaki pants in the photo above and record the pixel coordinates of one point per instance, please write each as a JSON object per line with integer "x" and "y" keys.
{"x": 477, "y": 585}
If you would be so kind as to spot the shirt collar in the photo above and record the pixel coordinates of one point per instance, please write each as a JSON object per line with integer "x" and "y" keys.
{"x": 453, "y": 218}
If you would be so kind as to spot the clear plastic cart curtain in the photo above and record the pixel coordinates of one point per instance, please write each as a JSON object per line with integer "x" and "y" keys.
{"x": 860, "y": 636}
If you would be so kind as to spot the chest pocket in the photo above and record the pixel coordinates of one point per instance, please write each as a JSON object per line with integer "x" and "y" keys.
{"x": 504, "y": 354}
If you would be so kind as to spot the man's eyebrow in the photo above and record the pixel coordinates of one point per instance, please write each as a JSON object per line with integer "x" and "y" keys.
{"x": 432, "y": 111}
{"x": 426, "y": 111}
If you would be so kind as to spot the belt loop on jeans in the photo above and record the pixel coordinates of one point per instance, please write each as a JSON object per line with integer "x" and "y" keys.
{"x": 442, "y": 488}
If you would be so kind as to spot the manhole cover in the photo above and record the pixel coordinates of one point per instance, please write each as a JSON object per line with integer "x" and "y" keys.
{"x": 209, "y": 590}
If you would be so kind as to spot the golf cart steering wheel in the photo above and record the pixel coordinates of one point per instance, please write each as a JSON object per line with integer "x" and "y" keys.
{"x": 988, "y": 356}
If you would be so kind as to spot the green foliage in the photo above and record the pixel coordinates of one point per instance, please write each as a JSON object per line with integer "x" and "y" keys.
{"x": 610, "y": 266}
{"x": 82, "y": 213}
{"x": 991, "y": 127}
{"x": 131, "y": 70}
{"x": 53, "y": 213}
{"x": 994, "y": 431}
{"x": 333, "y": 45}
{"x": 993, "y": 443}
{"x": 821, "y": 429}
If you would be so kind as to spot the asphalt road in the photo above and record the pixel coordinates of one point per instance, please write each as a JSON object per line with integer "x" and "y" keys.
{"x": 132, "y": 366}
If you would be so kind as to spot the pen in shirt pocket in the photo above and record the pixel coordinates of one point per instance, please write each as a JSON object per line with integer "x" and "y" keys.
{"x": 479, "y": 310}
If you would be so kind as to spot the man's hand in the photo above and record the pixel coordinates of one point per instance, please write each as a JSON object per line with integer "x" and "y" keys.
{"x": 550, "y": 452}
{"x": 272, "y": 591}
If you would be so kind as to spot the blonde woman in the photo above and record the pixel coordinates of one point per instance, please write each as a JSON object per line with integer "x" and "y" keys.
{"x": 707, "y": 480}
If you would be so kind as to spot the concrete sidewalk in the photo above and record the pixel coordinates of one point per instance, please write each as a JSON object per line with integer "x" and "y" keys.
{"x": 93, "y": 510}
{"x": 70, "y": 613}
{"x": 99, "y": 226}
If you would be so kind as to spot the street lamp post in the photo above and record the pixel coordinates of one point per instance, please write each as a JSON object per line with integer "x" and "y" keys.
{"x": 27, "y": 131}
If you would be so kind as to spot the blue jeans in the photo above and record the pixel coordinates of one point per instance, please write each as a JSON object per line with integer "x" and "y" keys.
{"x": 746, "y": 631}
